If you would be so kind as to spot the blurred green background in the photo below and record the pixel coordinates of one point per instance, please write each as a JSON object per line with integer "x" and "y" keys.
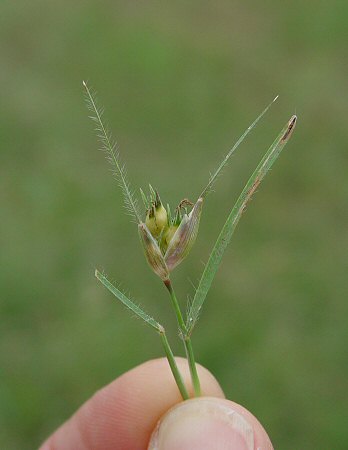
{"x": 180, "y": 81}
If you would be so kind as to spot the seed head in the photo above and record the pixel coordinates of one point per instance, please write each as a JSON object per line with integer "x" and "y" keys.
{"x": 156, "y": 219}
{"x": 184, "y": 237}
{"x": 153, "y": 253}
{"x": 166, "y": 240}
{"x": 168, "y": 236}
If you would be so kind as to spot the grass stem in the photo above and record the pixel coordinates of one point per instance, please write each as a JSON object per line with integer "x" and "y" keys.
{"x": 174, "y": 368}
{"x": 186, "y": 340}
{"x": 192, "y": 365}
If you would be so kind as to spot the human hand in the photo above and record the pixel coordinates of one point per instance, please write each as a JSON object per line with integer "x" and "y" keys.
{"x": 124, "y": 414}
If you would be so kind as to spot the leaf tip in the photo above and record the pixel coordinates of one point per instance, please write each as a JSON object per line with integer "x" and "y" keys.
{"x": 290, "y": 128}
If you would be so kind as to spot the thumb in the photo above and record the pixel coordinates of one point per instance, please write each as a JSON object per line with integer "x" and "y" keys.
{"x": 209, "y": 423}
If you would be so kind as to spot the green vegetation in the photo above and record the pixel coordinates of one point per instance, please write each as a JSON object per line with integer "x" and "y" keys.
{"x": 180, "y": 83}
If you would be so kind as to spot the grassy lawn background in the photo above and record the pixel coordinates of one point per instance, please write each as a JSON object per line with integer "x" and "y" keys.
{"x": 180, "y": 82}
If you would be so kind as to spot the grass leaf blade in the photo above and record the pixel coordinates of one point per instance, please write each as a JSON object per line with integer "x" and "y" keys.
{"x": 128, "y": 303}
{"x": 110, "y": 148}
{"x": 233, "y": 219}
{"x": 224, "y": 162}
{"x": 154, "y": 324}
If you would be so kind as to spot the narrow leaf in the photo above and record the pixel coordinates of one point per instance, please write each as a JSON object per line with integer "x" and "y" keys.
{"x": 110, "y": 148}
{"x": 128, "y": 303}
{"x": 224, "y": 162}
{"x": 232, "y": 221}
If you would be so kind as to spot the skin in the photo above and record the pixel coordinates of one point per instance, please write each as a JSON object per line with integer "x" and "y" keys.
{"x": 123, "y": 414}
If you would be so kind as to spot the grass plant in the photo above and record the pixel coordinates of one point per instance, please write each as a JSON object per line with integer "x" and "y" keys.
{"x": 168, "y": 238}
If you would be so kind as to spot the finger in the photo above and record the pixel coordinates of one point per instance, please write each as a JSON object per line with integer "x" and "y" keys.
{"x": 209, "y": 424}
{"x": 122, "y": 415}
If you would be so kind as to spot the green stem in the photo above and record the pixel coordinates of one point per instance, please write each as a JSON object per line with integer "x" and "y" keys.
{"x": 186, "y": 340}
{"x": 173, "y": 366}
{"x": 193, "y": 368}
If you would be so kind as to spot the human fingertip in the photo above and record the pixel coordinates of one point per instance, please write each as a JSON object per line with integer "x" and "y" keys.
{"x": 203, "y": 423}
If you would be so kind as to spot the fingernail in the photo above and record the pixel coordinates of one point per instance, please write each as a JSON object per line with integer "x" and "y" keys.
{"x": 204, "y": 424}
